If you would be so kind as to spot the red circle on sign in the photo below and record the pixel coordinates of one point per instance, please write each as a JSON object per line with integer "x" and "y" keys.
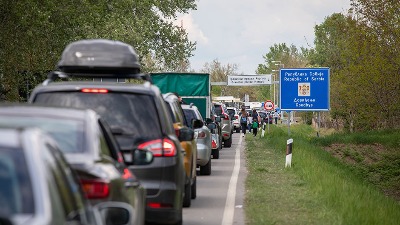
{"x": 268, "y": 105}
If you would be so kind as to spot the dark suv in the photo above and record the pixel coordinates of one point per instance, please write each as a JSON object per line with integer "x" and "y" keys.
{"x": 137, "y": 114}
{"x": 226, "y": 123}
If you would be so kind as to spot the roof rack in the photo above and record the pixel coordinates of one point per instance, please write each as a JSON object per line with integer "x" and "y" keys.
{"x": 51, "y": 76}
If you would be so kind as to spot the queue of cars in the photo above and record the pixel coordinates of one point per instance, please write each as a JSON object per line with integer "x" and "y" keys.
{"x": 118, "y": 153}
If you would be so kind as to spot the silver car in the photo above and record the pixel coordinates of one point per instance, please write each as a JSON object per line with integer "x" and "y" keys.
{"x": 202, "y": 136}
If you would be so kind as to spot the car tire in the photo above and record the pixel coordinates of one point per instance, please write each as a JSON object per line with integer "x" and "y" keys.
{"x": 215, "y": 153}
{"x": 188, "y": 196}
{"x": 194, "y": 189}
{"x": 206, "y": 169}
{"x": 228, "y": 142}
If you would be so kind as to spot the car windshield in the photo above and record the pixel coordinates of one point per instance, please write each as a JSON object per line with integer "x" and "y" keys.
{"x": 120, "y": 110}
{"x": 16, "y": 195}
{"x": 69, "y": 133}
{"x": 231, "y": 112}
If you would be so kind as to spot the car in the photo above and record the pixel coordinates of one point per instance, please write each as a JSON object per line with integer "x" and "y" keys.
{"x": 215, "y": 141}
{"x": 226, "y": 124}
{"x": 234, "y": 114}
{"x": 135, "y": 111}
{"x": 266, "y": 117}
{"x": 89, "y": 147}
{"x": 202, "y": 136}
{"x": 38, "y": 186}
{"x": 190, "y": 147}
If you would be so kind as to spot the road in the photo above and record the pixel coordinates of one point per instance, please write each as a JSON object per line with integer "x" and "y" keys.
{"x": 220, "y": 196}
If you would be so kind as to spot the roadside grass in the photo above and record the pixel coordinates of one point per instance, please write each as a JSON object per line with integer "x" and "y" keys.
{"x": 319, "y": 188}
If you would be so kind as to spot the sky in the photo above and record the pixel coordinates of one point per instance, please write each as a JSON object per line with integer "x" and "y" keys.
{"x": 242, "y": 31}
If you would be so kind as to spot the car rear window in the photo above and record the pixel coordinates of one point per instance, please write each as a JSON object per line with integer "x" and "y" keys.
{"x": 218, "y": 110}
{"x": 231, "y": 112}
{"x": 16, "y": 195}
{"x": 190, "y": 116}
{"x": 68, "y": 133}
{"x": 135, "y": 114}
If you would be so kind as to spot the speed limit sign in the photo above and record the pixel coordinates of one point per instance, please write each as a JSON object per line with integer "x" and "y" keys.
{"x": 268, "y": 105}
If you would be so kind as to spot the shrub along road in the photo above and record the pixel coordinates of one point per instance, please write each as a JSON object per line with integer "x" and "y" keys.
{"x": 321, "y": 187}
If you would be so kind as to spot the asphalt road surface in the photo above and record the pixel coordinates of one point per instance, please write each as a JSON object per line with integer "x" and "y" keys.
{"x": 220, "y": 196}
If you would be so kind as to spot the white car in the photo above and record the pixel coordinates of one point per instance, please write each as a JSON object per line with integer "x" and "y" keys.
{"x": 234, "y": 114}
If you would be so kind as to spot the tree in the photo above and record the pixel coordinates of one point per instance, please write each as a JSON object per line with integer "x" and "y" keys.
{"x": 34, "y": 33}
{"x": 219, "y": 73}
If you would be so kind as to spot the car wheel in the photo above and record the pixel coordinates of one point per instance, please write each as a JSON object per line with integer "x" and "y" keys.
{"x": 228, "y": 143}
{"x": 188, "y": 196}
{"x": 206, "y": 169}
{"x": 215, "y": 153}
{"x": 194, "y": 188}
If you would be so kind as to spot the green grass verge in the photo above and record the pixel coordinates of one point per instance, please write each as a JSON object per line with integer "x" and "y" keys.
{"x": 317, "y": 189}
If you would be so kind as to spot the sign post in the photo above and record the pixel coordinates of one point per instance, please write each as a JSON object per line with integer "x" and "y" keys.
{"x": 304, "y": 89}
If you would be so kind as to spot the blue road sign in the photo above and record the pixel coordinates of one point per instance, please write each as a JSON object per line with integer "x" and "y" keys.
{"x": 305, "y": 89}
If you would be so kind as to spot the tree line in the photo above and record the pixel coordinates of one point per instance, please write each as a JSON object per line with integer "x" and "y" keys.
{"x": 33, "y": 34}
{"x": 361, "y": 48}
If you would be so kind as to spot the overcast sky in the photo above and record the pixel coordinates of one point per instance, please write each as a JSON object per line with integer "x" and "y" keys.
{"x": 242, "y": 31}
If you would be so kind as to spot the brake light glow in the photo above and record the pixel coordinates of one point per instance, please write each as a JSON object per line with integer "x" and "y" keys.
{"x": 94, "y": 90}
{"x": 160, "y": 147}
{"x": 127, "y": 174}
{"x": 95, "y": 189}
{"x": 158, "y": 205}
{"x": 213, "y": 144}
{"x": 226, "y": 116}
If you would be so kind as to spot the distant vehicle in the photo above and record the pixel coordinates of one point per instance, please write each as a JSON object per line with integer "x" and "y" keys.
{"x": 190, "y": 147}
{"x": 136, "y": 113}
{"x": 202, "y": 136}
{"x": 234, "y": 114}
{"x": 182, "y": 84}
{"x": 226, "y": 124}
{"x": 89, "y": 147}
{"x": 37, "y": 185}
{"x": 266, "y": 117}
{"x": 216, "y": 145}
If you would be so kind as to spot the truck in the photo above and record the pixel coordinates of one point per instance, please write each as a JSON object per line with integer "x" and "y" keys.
{"x": 191, "y": 87}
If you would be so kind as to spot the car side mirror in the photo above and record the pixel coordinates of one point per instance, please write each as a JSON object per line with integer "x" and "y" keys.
{"x": 5, "y": 221}
{"x": 197, "y": 124}
{"x": 113, "y": 213}
{"x": 186, "y": 134}
{"x": 209, "y": 120}
{"x": 217, "y": 119}
{"x": 142, "y": 157}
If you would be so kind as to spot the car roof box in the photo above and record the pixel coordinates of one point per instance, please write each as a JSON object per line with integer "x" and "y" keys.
{"x": 99, "y": 56}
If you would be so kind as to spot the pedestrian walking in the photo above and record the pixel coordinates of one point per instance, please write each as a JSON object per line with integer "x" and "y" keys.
{"x": 243, "y": 120}
{"x": 276, "y": 116}
{"x": 256, "y": 122}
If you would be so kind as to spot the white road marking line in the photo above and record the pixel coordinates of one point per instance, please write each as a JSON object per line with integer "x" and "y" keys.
{"x": 227, "y": 218}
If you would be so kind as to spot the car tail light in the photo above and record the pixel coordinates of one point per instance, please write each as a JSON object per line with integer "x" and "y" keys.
{"x": 95, "y": 189}
{"x": 226, "y": 135}
{"x": 94, "y": 90}
{"x": 236, "y": 117}
{"x": 201, "y": 134}
{"x": 160, "y": 147}
{"x": 127, "y": 174}
{"x": 213, "y": 144}
{"x": 158, "y": 205}
{"x": 226, "y": 116}
{"x": 177, "y": 132}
